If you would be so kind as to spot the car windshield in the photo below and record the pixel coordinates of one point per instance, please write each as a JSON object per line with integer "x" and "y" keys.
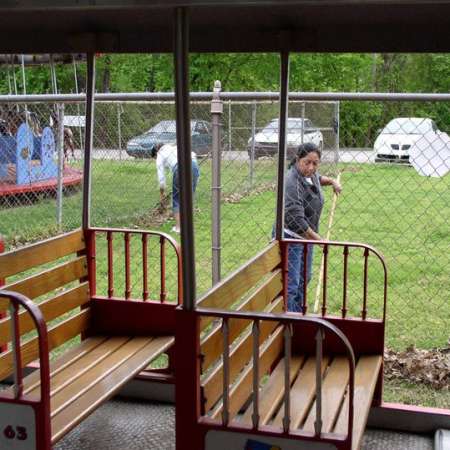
{"x": 293, "y": 125}
{"x": 407, "y": 126}
{"x": 166, "y": 126}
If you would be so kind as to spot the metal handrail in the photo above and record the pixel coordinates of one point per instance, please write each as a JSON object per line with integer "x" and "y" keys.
{"x": 346, "y": 245}
{"x": 17, "y": 300}
{"x": 127, "y": 232}
{"x": 287, "y": 320}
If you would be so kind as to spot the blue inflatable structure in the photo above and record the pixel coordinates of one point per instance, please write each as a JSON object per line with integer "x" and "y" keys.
{"x": 27, "y": 159}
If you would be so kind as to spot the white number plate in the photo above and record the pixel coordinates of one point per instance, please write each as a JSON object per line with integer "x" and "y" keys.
{"x": 17, "y": 427}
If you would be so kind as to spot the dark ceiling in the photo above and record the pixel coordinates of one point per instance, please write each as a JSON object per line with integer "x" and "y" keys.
{"x": 64, "y": 26}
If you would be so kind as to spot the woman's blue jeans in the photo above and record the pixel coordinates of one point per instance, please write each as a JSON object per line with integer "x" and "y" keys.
{"x": 296, "y": 274}
{"x": 176, "y": 185}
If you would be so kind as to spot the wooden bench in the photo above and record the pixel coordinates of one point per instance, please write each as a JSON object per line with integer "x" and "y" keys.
{"x": 116, "y": 338}
{"x": 243, "y": 360}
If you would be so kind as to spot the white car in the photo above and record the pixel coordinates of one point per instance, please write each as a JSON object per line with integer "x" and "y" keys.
{"x": 394, "y": 142}
{"x": 266, "y": 141}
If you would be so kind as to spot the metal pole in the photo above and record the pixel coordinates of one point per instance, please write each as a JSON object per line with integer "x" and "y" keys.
{"x": 60, "y": 147}
{"x": 9, "y": 79}
{"x": 303, "y": 123}
{"x": 80, "y": 134}
{"x": 284, "y": 92}
{"x": 181, "y": 64}
{"x": 119, "y": 129}
{"x": 252, "y": 148}
{"x": 24, "y": 88}
{"x": 14, "y": 79}
{"x": 336, "y": 134}
{"x": 216, "y": 117}
{"x": 15, "y": 84}
{"x": 229, "y": 125}
{"x": 88, "y": 138}
{"x": 53, "y": 75}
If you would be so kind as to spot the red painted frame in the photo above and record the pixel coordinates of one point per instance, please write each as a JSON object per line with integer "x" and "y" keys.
{"x": 41, "y": 406}
{"x": 366, "y": 335}
{"x": 3, "y": 348}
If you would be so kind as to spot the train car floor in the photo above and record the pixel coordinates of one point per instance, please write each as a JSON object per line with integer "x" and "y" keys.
{"x": 127, "y": 424}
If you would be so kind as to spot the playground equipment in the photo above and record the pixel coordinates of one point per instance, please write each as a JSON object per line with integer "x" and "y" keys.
{"x": 243, "y": 411}
{"x": 28, "y": 163}
{"x": 323, "y": 375}
{"x": 120, "y": 336}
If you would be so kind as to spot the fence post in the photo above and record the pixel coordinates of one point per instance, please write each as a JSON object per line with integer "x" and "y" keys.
{"x": 303, "y": 122}
{"x": 252, "y": 147}
{"x": 119, "y": 129}
{"x": 60, "y": 149}
{"x": 336, "y": 132}
{"x": 3, "y": 348}
{"x": 229, "y": 125}
{"x": 216, "y": 117}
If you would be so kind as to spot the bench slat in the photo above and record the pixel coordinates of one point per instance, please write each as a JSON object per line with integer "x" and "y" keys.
{"x": 48, "y": 280}
{"x": 75, "y": 370}
{"x": 97, "y": 393}
{"x": 302, "y": 393}
{"x": 25, "y": 258}
{"x": 69, "y": 357}
{"x": 333, "y": 390}
{"x": 122, "y": 349}
{"x": 272, "y": 393}
{"x": 211, "y": 346}
{"x": 51, "y": 309}
{"x": 56, "y": 336}
{"x": 366, "y": 376}
{"x": 240, "y": 355}
{"x": 241, "y": 390}
{"x": 233, "y": 287}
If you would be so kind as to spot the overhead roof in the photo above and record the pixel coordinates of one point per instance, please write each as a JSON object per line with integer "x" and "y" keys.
{"x": 59, "y": 26}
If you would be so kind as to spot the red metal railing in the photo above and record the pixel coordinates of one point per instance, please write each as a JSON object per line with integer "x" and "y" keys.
{"x": 287, "y": 321}
{"x": 16, "y": 301}
{"x": 346, "y": 246}
{"x": 3, "y": 348}
{"x": 112, "y": 235}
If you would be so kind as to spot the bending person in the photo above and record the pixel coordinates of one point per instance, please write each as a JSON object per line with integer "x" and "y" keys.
{"x": 303, "y": 207}
{"x": 166, "y": 158}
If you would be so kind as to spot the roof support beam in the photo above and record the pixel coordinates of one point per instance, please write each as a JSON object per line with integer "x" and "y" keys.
{"x": 284, "y": 106}
{"x": 183, "y": 116}
{"x": 88, "y": 139}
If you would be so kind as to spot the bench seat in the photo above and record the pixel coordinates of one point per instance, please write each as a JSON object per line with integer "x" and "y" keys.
{"x": 90, "y": 373}
{"x": 334, "y": 395}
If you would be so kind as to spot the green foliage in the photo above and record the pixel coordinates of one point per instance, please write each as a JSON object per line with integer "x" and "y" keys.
{"x": 260, "y": 72}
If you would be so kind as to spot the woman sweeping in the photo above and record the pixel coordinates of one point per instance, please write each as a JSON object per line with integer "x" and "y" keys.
{"x": 303, "y": 207}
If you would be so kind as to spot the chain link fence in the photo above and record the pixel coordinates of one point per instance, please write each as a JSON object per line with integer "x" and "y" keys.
{"x": 396, "y": 189}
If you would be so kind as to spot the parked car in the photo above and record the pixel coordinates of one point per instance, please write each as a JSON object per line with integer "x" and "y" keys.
{"x": 396, "y": 138}
{"x": 164, "y": 132}
{"x": 266, "y": 141}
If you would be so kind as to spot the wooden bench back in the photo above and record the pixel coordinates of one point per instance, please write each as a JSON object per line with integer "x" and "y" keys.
{"x": 257, "y": 286}
{"x": 54, "y": 273}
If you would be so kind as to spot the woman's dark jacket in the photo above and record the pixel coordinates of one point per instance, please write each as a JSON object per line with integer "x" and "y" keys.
{"x": 303, "y": 202}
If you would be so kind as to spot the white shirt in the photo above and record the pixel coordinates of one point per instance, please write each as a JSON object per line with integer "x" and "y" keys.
{"x": 166, "y": 158}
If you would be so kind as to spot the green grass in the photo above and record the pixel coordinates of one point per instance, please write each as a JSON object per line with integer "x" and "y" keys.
{"x": 415, "y": 394}
{"x": 392, "y": 208}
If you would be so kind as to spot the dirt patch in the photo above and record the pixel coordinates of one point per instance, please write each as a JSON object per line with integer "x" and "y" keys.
{"x": 431, "y": 367}
{"x": 236, "y": 197}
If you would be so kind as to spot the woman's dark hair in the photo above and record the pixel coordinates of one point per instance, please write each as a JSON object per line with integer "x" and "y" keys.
{"x": 303, "y": 150}
{"x": 155, "y": 149}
